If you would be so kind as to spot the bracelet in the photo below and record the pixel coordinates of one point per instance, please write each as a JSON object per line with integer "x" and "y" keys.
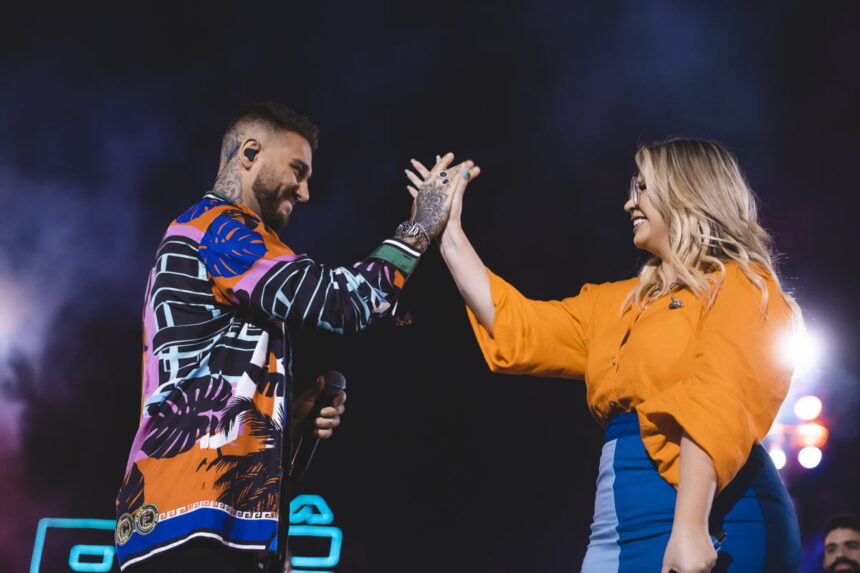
{"x": 411, "y": 229}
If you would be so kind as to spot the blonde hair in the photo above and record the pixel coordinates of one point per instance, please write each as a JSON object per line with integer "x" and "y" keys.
{"x": 710, "y": 211}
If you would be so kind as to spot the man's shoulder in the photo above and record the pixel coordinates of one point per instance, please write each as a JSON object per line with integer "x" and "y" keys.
{"x": 189, "y": 228}
{"x": 213, "y": 215}
{"x": 217, "y": 225}
{"x": 209, "y": 207}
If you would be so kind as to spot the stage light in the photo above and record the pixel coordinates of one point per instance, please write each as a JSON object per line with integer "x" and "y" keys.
{"x": 808, "y": 408}
{"x": 809, "y": 457}
{"x": 779, "y": 458}
{"x": 803, "y": 350}
{"x": 811, "y": 434}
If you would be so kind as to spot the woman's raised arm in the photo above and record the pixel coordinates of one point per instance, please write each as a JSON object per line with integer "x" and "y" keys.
{"x": 463, "y": 261}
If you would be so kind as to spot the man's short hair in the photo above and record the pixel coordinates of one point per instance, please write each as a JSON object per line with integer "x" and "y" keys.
{"x": 842, "y": 522}
{"x": 276, "y": 117}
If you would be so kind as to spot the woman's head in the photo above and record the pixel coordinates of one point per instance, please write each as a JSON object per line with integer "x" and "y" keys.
{"x": 650, "y": 232}
{"x": 706, "y": 206}
{"x": 697, "y": 213}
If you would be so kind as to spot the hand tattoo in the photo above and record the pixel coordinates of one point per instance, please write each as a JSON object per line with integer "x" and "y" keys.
{"x": 431, "y": 205}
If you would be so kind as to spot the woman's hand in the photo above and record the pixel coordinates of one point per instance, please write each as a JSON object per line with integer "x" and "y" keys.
{"x": 690, "y": 550}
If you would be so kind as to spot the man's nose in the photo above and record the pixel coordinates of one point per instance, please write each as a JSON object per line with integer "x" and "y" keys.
{"x": 303, "y": 194}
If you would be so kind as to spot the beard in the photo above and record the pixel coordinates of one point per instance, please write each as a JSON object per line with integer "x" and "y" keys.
{"x": 855, "y": 566}
{"x": 265, "y": 188}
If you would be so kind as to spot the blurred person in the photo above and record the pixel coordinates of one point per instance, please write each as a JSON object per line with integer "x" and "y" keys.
{"x": 206, "y": 485}
{"x": 842, "y": 544}
{"x": 680, "y": 364}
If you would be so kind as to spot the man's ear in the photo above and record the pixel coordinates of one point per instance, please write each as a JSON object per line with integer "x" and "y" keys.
{"x": 248, "y": 152}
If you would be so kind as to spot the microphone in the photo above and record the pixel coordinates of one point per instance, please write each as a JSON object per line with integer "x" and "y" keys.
{"x": 306, "y": 447}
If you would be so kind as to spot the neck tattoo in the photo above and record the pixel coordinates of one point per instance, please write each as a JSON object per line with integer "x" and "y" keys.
{"x": 228, "y": 182}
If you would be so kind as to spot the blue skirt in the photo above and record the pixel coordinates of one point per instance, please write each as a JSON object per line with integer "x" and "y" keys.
{"x": 635, "y": 507}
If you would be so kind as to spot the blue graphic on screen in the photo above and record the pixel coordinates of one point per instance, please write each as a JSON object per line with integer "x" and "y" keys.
{"x": 65, "y": 548}
{"x": 87, "y": 545}
{"x": 310, "y": 517}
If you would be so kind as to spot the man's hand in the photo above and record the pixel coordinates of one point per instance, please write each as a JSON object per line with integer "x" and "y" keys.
{"x": 329, "y": 417}
{"x": 435, "y": 191}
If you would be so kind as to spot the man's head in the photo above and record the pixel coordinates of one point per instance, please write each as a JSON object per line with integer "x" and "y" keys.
{"x": 842, "y": 544}
{"x": 266, "y": 161}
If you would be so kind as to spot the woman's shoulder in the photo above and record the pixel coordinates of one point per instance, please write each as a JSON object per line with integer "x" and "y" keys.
{"x": 744, "y": 285}
{"x": 609, "y": 292}
{"x": 738, "y": 276}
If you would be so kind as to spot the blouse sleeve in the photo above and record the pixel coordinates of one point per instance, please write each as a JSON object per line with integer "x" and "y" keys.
{"x": 541, "y": 338}
{"x": 737, "y": 385}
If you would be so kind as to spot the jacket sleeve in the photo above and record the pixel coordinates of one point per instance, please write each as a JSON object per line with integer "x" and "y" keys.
{"x": 738, "y": 383}
{"x": 541, "y": 338}
{"x": 248, "y": 265}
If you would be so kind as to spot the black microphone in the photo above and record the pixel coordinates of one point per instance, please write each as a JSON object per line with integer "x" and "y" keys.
{"x": 306, "y": 447}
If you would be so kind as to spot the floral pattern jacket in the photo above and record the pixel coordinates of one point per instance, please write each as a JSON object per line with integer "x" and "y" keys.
{"x": 208, "y": 457}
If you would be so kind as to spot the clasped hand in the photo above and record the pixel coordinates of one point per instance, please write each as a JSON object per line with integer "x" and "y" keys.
{"x": 438, "y": 192}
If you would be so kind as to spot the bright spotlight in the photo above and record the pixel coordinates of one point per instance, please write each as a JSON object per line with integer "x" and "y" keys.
{"x": 808, "y": 408}
{"x": 809, "y": 457}
{"x": 811, "y": 434}
{"x": 803, "y": 350}
{"x": 779, "y": 458}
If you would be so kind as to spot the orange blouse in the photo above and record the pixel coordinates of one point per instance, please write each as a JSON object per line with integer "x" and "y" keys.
{"x": 715, "y": 373}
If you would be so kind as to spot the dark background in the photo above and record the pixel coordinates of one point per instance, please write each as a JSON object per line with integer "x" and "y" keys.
{"x": 110, "y": 126}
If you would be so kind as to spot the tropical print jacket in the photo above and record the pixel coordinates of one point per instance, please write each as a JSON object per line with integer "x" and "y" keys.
{"x": 207, "y": 458}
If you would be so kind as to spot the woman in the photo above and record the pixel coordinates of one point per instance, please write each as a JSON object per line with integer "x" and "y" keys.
{"x": 680, "y": 364}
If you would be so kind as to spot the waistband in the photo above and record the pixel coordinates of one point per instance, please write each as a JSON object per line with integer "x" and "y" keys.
{"x": 621, "y": 426}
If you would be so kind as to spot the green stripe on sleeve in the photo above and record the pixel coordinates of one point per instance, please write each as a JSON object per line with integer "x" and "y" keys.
{"x": 403, "y": 261}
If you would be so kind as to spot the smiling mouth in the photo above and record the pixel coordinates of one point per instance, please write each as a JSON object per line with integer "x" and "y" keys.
{"x": 638, "y": 221}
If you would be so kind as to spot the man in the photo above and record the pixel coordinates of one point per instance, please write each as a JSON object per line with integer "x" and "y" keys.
{"x": 205, "y": 487}
{"x": 842, "y": 544}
